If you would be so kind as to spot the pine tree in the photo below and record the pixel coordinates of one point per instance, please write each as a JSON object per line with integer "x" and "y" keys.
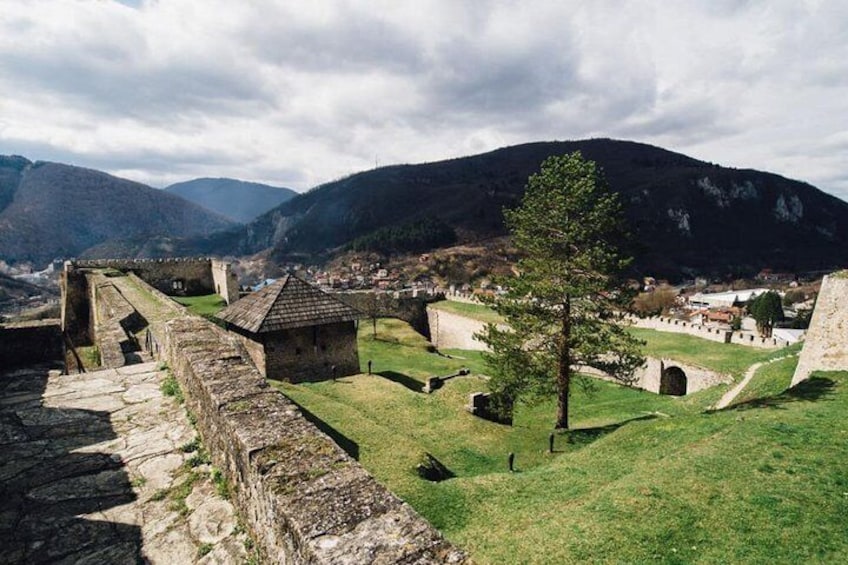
{"x": 560, "y": 308}
{"x": 767, "y": 310}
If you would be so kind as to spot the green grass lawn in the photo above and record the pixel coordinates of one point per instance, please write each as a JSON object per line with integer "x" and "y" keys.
{"x": 771, "y": 379}
{"x": 640, "y": 477}
{"x": 206, "y": 306}
{"x": 727, "y": 358}
{"x": 469, "y": 310}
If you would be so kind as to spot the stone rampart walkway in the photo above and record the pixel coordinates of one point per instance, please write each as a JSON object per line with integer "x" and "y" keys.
{"x": 93, "y": 469}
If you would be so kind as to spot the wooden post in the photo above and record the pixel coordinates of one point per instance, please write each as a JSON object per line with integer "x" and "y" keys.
{"x": 511, "y": 461}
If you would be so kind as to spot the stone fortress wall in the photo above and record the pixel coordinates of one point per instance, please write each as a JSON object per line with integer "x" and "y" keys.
{"x": 826, "y": 345}
{"x": 655, "y": 371}
{"x": 454, "y": 331}
{"x": 672, "y": 325}
{"x": 178, "y": 276}
{"x": 304, "y": 499}
{"x": 385, "y": 305}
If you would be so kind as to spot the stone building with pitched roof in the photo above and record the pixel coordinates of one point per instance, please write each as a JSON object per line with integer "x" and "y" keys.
{"x": 296, "y": 332}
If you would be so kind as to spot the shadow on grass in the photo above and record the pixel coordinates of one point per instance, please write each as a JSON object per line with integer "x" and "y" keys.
{"x": 581, "y": 437}
{"x": 812, "y": 390}
{"x": 403, "y": 380}
{"x": 350, "y": 447}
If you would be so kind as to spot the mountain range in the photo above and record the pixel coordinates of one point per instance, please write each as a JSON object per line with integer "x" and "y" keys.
{"x": 236, "y": 200}
{"x": 51, "y": 210}
{"x": 686, "y": 215}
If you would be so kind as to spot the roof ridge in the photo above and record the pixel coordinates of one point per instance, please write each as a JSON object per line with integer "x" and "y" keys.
{"x": 276, "y": 295}
{"x": 288, "y": 303}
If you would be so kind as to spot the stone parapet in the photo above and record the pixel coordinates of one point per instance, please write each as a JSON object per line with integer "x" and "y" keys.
{"x": 672, "y": 325}
{"x": 177, "y": 276}
{"x": 412, "y": 310}
{"x": 304, "y": 498}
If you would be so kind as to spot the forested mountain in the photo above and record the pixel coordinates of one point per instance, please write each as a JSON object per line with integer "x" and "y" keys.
{"x": 237, "y": 200}
{"x": 686, "y": 214}
{"x": 50, "y": 210}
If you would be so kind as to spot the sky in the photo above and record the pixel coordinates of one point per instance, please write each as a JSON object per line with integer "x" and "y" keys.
{"x": 297, "y": 93}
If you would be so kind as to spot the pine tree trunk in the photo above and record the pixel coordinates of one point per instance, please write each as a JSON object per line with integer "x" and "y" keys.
{"x": 564, "y": 368}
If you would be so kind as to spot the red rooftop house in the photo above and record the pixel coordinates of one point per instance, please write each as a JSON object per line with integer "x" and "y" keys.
{"x": 295, "y": 332}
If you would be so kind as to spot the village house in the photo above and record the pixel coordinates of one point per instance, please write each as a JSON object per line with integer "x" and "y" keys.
{"x": 295, "y": 332}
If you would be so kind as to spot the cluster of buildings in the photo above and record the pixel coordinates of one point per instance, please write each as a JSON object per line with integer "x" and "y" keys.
{"x": 359, "y": 275}
{"x": 727, "y": 310}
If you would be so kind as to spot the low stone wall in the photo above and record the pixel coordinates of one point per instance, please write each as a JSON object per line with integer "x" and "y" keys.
{"x": 673, "y": 325}
{"x": 826, "y": 344}
{"x": 304, "y": 498}
{"x": 384, "y": 305}
{"x": 25, "y": 343}
{"x": 194, "y": 275}
{"x": 649, "y": 376}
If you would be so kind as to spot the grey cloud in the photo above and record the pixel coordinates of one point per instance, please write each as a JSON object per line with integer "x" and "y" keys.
{"x": 155, "y": 163}
{"x": 355, "y": 41}
{"x": 469, "y": 78}
{"x": 113, "y": 84}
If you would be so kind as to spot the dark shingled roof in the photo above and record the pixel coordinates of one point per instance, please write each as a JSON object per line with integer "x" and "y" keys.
{"x": 284, "y": 304}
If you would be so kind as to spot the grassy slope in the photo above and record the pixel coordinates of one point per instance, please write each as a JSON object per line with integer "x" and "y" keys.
{"x": 771, "y": 379}
{"x": 725, "y": 358}
{"x": 202, "y": 305}
{"x": 752, "y": 484}
{"x": 761, "y": 482}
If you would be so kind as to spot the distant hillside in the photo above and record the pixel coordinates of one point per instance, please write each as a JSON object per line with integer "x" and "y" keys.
{"x": 686, "y": 214}
{"x": 11, "y": 289}
{"x": 237, "y": 200}
{"x": 50, "y": 210}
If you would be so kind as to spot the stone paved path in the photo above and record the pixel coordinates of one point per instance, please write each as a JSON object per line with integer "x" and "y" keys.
{"x": 93, "y": 470}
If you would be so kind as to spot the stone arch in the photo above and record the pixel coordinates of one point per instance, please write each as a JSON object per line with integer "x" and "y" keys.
{"x": 673, "y": 381}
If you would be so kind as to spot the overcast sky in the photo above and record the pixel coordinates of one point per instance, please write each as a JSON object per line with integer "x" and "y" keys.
{"x": 301, "y": 92}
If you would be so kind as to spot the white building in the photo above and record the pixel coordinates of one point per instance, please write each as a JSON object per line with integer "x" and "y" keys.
{"x": 724, "y": 299}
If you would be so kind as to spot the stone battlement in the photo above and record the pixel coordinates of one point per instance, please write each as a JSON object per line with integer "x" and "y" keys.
{"x": 179, "y": 276}
{"x": 305, "y": 499}
{"x": 672, "y": 325}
